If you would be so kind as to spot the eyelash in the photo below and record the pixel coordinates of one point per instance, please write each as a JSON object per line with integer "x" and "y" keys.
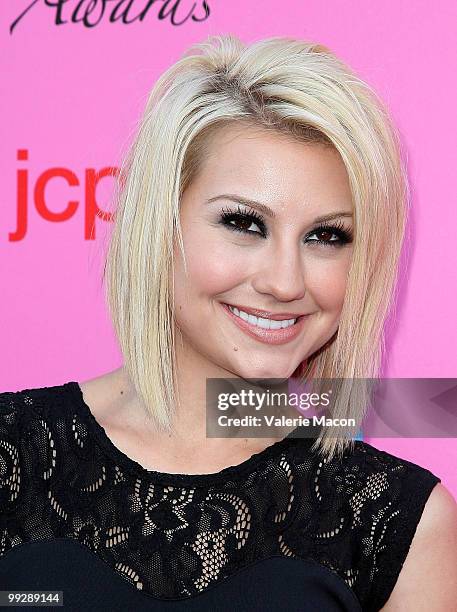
{"x": 337, "y": 228}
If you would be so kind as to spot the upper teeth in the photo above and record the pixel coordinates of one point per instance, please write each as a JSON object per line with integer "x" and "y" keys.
{"x": 260, "y": 321}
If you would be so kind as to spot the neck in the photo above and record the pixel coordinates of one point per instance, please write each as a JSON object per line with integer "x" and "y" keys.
{"x": 189, "y": 430}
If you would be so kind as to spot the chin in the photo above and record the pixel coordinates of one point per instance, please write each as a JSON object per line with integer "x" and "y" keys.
{"x": 265, "y": 374}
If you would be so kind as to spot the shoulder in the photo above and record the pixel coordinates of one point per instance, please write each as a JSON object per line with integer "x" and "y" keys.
{"x": 18, "y": 408}
{"x": 428, "y": 578}
{"x": 405, "y": 480}
{"x": 397, "y": 508}
{"x": 26, "y": 444}
{"x": 38, "y": 423}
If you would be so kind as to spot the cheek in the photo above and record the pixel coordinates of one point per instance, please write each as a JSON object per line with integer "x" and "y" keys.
{"x": 212, "y": 265}
{"x": 327, "y": 281}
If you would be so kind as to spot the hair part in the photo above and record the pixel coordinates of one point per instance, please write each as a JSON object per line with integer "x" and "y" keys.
{"x": 293, "y": 87}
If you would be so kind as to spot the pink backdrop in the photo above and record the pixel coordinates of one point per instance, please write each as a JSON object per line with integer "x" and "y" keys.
{"x": 71, "y": 96}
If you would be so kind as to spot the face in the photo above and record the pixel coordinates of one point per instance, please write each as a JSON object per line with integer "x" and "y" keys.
{"x": 253, "y": 241}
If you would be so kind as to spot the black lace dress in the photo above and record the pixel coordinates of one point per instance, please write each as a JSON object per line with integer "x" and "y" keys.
{"x": 284, "y": 530}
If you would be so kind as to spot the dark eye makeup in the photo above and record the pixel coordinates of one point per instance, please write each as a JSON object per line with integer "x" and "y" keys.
{"x": 240, "y": 220}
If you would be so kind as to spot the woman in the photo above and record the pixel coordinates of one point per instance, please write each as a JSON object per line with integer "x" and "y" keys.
{"x": 265, "y": 184}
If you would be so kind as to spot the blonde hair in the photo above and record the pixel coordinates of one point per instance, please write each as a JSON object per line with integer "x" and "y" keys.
{"x": 295, "y": 87}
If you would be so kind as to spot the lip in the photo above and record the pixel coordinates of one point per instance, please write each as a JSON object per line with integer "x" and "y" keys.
{"x": 268, "y": 336}
{"x": 267, "y": 314}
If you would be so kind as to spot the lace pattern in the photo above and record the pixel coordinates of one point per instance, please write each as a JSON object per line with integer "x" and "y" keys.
{"x": 173, "y": 536}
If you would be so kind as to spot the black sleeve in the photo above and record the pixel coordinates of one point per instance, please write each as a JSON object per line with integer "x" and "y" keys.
{"x": 10, "y": 469}
{"x": 415, "y": 485}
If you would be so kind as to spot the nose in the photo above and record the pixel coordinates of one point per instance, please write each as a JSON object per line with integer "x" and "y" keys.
{"x": 282, "y": 273}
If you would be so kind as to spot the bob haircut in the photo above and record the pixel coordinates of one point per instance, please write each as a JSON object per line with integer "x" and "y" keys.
{"x": 300, "y": 89}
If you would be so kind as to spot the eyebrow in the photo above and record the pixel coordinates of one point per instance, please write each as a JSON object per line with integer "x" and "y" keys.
{"x": 266, "y": 210}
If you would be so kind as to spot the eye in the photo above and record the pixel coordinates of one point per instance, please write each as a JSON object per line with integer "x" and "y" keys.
{"x": 242, "y": 221}
{"x": 333, "y": 235}
{"x": 327, "y": 235}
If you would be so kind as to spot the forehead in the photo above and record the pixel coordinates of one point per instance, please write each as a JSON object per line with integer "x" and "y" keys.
{"x": 272, "y": 166}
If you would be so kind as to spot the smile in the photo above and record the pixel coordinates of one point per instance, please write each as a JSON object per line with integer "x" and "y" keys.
{"x": 266, "y": 330}
{"x": 260, "y": 321}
